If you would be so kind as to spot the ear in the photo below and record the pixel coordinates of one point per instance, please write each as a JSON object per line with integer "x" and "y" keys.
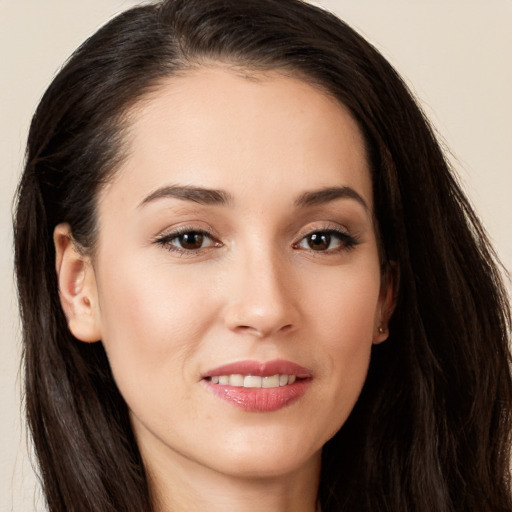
{"x": 77, "y": 286}
{"x": 387, "y": 302}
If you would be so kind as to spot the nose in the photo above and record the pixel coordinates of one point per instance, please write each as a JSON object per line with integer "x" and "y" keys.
{"x": 263, "y": 296}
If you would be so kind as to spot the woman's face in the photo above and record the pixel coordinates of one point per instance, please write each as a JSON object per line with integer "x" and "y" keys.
{"x": 237, "y": 249}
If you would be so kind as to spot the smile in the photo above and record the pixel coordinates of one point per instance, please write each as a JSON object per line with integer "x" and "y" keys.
{"x": 253, "y": 381}
{"x": 258, "y": 387}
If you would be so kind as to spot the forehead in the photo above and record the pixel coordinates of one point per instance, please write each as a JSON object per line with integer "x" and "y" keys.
{"x": 219, "y": 128}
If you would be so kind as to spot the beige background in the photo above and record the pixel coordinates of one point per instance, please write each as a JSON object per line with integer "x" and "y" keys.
{"x": 457, "y": 53}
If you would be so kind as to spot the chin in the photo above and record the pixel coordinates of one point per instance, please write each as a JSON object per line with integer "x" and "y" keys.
{"x": 261, "y": 457}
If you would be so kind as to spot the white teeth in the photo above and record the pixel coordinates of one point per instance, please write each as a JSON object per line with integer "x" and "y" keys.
{"x": 270, "y": 382}
{"x": 253, "y": 381}
{"x": 236, "y": 380}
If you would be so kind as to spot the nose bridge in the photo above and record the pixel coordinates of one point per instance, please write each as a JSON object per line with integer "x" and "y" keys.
{"x": 262, "y": 300}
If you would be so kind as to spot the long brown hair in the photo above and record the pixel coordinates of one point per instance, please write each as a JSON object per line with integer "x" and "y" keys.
{"x": 431, "y": 430}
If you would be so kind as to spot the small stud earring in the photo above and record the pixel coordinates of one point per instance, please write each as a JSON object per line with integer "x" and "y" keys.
{"x": 381, "y": 330}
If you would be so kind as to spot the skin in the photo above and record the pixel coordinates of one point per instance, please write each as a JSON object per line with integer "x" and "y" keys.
{"x": 256, "y": 289}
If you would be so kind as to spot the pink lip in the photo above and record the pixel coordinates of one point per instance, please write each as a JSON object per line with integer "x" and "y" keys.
{"x": 260, "y": 399}
{"x": 266, "y": 369}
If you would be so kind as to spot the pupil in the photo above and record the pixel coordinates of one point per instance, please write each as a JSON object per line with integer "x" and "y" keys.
{"x": 319, "y": 241}
{"x": 191, "y": 240}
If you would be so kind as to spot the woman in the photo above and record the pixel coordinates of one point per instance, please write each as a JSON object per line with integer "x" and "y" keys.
{"x": 248, "y": 279}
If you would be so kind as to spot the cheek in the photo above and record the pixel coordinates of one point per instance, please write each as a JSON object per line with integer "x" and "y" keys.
{"x": 149, "y": 326}
{"x": 345, "y": 317}
{"x": 346, "y": 304}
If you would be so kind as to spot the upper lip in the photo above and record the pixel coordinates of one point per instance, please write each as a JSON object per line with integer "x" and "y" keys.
{"x": 260, "y": 369}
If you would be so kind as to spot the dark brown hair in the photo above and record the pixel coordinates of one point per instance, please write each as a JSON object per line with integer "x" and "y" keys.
{"x": 431, "y": 430}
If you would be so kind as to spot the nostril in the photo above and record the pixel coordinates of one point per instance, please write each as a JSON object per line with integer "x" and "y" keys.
{"x": 250, "y": 330}
{"x": 262, "y": 332}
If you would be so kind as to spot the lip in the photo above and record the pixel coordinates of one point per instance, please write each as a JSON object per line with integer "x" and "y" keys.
{"x": 260, "y": 369}
{"x": 259, "y": 399}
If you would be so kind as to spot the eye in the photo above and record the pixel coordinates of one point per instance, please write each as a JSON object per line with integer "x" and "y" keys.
{"x": 329, "y": 240}
{"x": 191, "y": 241}
{"x": 186, "y": 240}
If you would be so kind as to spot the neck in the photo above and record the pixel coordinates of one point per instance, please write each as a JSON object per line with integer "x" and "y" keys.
{"x": 180, "y": 485}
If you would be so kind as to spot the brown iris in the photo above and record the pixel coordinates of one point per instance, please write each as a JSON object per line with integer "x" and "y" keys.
{"x": 191, "y": 240}
{"x": 319, "y": 241}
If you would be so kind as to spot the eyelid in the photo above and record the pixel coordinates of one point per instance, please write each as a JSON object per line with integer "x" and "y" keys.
{"x": 322, "y": 227}
{"x": 165, "y": 238}
{"x": 348, "y": 240}
{"x": 184, "y": 228}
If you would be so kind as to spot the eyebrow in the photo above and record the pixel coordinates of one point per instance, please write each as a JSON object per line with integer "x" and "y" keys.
{"x": 208, "y": 196}
{"x": 325, "y": 195}
{"x": 201, "y": 195}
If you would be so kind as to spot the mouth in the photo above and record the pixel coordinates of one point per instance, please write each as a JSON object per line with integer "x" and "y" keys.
{"x": 253, "y": 381}
{"x": 258, "y": 387}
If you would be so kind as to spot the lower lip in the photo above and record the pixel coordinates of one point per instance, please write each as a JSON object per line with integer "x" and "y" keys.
{"x": 260, "y": 399}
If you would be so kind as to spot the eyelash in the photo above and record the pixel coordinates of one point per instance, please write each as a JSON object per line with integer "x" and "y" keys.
{"x": 347, "y": 242}
{"x": 166, "y": 240}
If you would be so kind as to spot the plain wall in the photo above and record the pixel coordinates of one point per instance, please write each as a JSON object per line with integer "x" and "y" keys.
{"x": 455, "y": 54}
